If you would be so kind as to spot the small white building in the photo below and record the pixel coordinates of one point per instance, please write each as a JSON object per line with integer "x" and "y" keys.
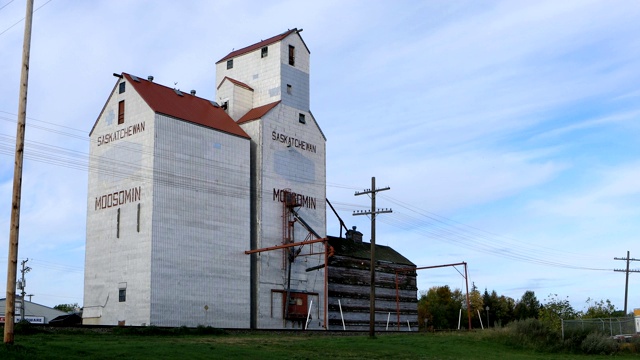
{"x": 33, "y": 313}
{"x": 180, "y": 187}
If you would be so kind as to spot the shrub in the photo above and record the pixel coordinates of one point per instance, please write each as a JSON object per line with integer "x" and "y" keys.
{"x": 155, "y": 330}
{"x": 24, "y": 327}
{"x": 600, "y": 344}
{"x": 208, "y": 330}
{"x": 531, "y": 334}
{"x": 573, "y": 340}
{"x": 142, "y": 330}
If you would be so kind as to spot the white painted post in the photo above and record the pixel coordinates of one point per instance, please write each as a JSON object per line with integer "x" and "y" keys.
{"x": 341, "y": 316}
{"x": 459, "y": 318}
{"x": 480, "y": 317}
{"x": 308, "y": 314}
{"x": 388, "y": 316}
{"x": 408, "y": 324}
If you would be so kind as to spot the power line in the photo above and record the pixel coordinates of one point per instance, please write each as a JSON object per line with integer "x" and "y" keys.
{"x": 19, "y": 21}
{"x": 460, "y": 236}
{"x": 423, "y": 222}
{"x": 5, "y": 5}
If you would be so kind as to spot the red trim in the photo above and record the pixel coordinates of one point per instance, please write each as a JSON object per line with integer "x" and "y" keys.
{"x": 236, "y": 82}
{"x": 257, "y": 113}
{"x": 258, "y": 45}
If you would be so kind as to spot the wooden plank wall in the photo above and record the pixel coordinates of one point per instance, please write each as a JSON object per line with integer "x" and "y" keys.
{"x": 349, "y": 282}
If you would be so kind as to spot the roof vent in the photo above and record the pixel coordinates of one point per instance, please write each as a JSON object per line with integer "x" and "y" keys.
{"x": 135, "y": 78}
{"x": 193, "y": 92}
{"x": 150, "y": 77}
{"x": 178, "y": 92}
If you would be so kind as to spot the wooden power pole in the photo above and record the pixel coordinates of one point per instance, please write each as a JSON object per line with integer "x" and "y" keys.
{"x": 373, "y": 213}
{"x": 626, "y": 284}
{"x": 12, "y": 263}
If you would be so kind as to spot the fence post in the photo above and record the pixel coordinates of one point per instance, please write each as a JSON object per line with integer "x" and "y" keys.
{"x": 562, "y": 327}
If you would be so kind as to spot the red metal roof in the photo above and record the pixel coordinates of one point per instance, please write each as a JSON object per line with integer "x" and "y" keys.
{"x": 165, "y": 100}
{"x": 239, "y": 83}
{"x": 259, "y": 45}
{"x": 257, "y": 113}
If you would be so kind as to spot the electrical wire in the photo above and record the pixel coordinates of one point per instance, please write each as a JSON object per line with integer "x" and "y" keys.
{"x": 5, "y": 5}
{"x": 19, "y": 21}
{"x": 37, "y": 263}
{"x": 418, "y": 220}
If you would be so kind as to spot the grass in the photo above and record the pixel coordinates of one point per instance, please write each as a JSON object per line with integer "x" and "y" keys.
{"x": 308, "y": 345}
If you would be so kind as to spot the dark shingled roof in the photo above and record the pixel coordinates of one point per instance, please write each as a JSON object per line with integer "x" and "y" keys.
{"x": 345, "y": 247}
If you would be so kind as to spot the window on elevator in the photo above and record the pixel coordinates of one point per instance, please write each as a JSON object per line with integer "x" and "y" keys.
{"x": 121, "y": 112}
{"x": 292, "y": 55}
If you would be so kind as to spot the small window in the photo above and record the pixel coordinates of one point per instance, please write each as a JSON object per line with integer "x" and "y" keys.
{"x": 121, "y": 112}
{"x": 229, "y": 64}
{"x": 264, "y": 52}
{"x": 292, "y": 55}
{"x": 301, "y": 119}
{"x": 289, "y": 90}
{"x": 122, "y": 295}
{"x": 121, "y": 87}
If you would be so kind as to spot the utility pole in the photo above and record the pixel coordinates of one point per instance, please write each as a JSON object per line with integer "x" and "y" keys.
{"x": 12, "y": 263}
{"x": 23, "y": 284}
{"x": 373, "y": 213}
{"x": 626, "y": 285}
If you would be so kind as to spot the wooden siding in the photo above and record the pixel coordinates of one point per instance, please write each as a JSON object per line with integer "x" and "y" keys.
{"x": 349, "y": 283}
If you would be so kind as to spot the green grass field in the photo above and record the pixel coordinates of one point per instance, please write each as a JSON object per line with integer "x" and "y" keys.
{"x": 107, "y": 345}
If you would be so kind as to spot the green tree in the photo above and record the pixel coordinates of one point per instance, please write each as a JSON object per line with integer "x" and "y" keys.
{"x": 488, "y": 301}
{"x": 507, "y": 310}
{"x": 438, "y": 308}
{"x": 476, "y": 303}
{"x": 68, "y": 308}
{"x": 501, "y": 309}
{"x": 424, "y": 317}
{"x": 599, "y": 309}
{"x": 528, "y": 306}
{"x": 555, "y": 310}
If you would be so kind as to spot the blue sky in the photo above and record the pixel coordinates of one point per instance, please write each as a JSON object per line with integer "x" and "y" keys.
{"x": 507, "y": 130}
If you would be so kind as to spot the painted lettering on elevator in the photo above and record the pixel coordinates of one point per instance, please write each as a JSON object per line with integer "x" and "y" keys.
{"x": 118, "y": 198}
{"x": 291, "y": 141}
{"x": 308, "y": 202}
{"x": 121, "y": 133}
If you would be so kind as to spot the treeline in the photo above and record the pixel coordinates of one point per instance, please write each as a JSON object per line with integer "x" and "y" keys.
{"x": 439, "y": 309}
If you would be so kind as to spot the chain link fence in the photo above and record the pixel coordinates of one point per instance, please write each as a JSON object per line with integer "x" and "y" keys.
{"x": 610, "y": 326}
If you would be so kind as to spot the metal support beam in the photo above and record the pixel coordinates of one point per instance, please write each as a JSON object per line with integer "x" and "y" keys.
{"x": 302, "y": 243}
